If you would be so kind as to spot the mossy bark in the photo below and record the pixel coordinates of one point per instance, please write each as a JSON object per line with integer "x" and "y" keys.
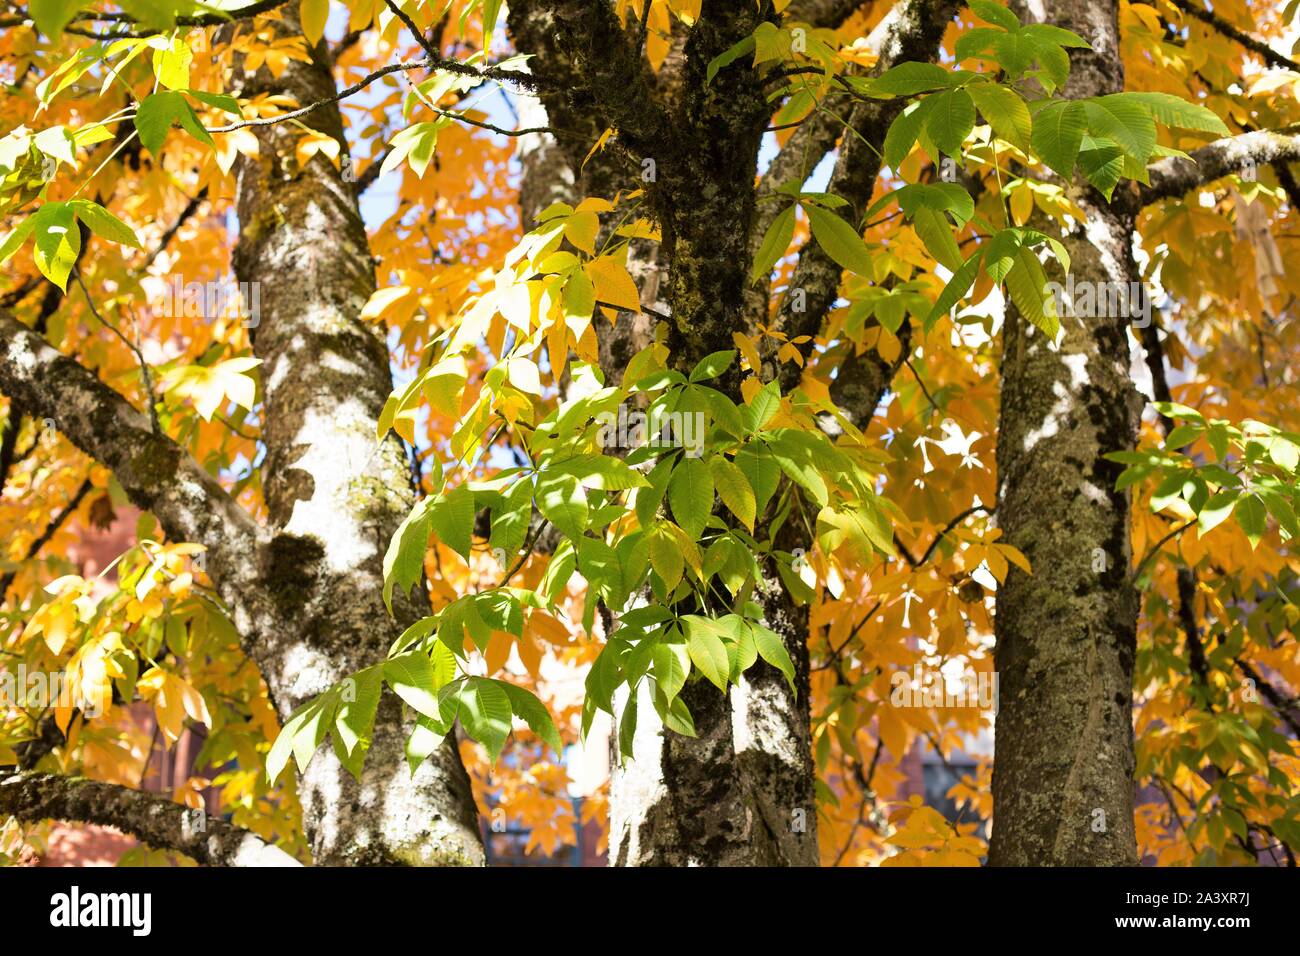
{"x": 1064, "y": 762}
{"x": 334, "y": 496}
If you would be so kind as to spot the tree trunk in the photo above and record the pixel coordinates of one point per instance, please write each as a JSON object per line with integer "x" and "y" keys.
{"x": 1066, "y": 635}
{"x": 334, "y": 497}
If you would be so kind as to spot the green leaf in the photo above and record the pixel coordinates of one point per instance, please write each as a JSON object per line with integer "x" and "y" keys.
{"x": 839, "y": 240}
{"x": 933, "y": 229}
{"x": 52, "y": 16}
{"x": 1126, "y": 122}
{"x": 1000, "y": 254}
{"x": 605, "y": 674}
{"x": 1175, "y": 111}
{"x": 734, "y": 490}
{"x": 1058, "y": 132}
{"x": 355, "y": 719}
{"x": 670, "y": 664}
{"x": 957, "y": 287}
{"x": 1251, "y": 516}
{"x": 775, "y": 242}
{"x": 411, "y": 677}
{"x": 156, "y": 114}
{"x": 426, "y": 737}
{"x": 511, "y": 519}
{"x": 938, "y": 197}
{"x": 563, "y": 502}
{"x": 1281, "y": 510}
{"x": 602, "y": 472}
{"x": 666, "y": 558}
{"x": 903, "y": 132}
{"x": 705, "y": 647}
{"x": 58, "y": 240}
{"x": 761, "y": 471}
{"x": 727, "y": 57}
{"x": 995, "y": 13}
{"x": 910, "y": 78}
{"x": 1027, "y": 284}
{"x": 103, "y": 223}
{"x": 534, "y": 713}
{"x": 484, "y": 711}
{"x": 690, "y": 494}
{"x": 772, "y": 649}
{"x": 975, "y": 43}
{"x": 282, "y": 748}
{"x": 221, "y": 101}
{"x": 14, "y": 241}
{"x": 791, "y": 449}
{"x": 404, "y": 559}
{"x": 452, "y": 519}
{"x": 1005, "y": 111}
{"x": 950, "y": 121}
{"x": 712, "y": 365}
{"x": 760, "y": 409}
{"x": 1101, "y": 164}
{"x": 1216, "y": 510}
{"x": 627, "y": 727}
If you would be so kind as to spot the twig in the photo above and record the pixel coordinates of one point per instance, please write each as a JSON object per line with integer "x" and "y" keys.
{"x": 135, "y": 349}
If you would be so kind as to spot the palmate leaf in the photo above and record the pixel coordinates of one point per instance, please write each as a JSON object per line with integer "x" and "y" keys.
{"x": 533, "y": 712}
{"x": 690, "y": 494}
{"x": 1027, "y": 284}
{"x": 950, "y": 120}
{"x": 1126, "y": 122}
{"x": 1005, "y": 111}
{"x": 156, "y": 114}
{"x": 957, "y": 287}
{"x": 903, "y": 132}
{"x": 1057, "y": 134}
{"x": 1173, "y": 110}
{"x": 839, "y": 240}
{"x": 910, "y": 78}
{"x": 775, "y": 242}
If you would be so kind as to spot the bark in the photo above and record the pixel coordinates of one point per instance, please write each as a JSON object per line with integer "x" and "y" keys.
{"x": 1175, "y": 176}
{"x": 741, "y": 792}
{"x": 911, "y": 30}
{"x": 333, "y": 496}
{"x": 1066, "y": 635}
{"x": 161, "y": 823}
{"x": 304, "y": 592}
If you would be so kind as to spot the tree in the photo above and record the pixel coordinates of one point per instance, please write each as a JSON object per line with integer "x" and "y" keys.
{"x": 768, "y": 360}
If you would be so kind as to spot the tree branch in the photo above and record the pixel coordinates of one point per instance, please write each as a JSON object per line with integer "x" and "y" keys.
{"x": 1175, "y": 176}
{"x": 609, "y": 65}
{"x": 32, "y": 797}
{"x": 822, "y": 13}
{"x": 1263, "y": 50}
{"x": 912, "y": 30}
{"x": 157, "y": 474}
{"x": 50, "y": 530}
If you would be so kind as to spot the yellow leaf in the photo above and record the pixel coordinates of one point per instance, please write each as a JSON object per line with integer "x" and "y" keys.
{"x": 209, "y": 386}
{"x": 581, "y": 229}
{"x": 748, "y": 350}
{"x": 314, "y": 13}
{"x": 614, "y": 285}
{"x": 174, "y": 699}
